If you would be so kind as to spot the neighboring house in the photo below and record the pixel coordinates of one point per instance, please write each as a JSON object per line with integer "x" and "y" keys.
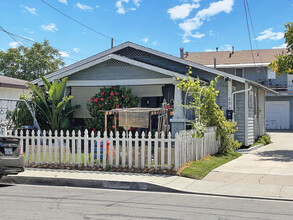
{"x": 10, "y": 88}
{"x": 279, "y": 109}
{"x": 152, "y": 76}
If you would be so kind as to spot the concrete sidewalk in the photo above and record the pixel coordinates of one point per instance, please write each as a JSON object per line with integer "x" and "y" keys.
{"x": 263, "y": 173}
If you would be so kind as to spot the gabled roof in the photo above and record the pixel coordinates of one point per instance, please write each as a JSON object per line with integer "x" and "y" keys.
{"x": 107, "y": 54}
{"x": 91, "y": 61}
{"x": 261, "y": 57}
{"x": 10, "y": 82}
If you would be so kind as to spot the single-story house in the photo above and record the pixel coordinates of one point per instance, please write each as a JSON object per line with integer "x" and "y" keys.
{"x": 279, "y": 108}
{"x": 152, "y": 76}
{"x": 10, "y": 88}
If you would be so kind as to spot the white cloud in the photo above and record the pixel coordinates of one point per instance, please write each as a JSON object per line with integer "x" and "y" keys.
{"x": 154, "y": 43}
{"x": 29, "y": 31}
{"x": 63, "y": 1}
{"x": 212, "y": 33}
{"x": 226, "y": 47}
{"x": 63, "y": 54}
{"x": 281, "y": 46}
{"x": 182, "y": 11}
{"x": 121, "y": 5}
{"x": 268, "y": 34}
{"x": 84, "y": 7}
{"x": 30, "y": 10}
{"x": 191, "y": 24}
{"x": 209, "y": 50}
{"x": 14, "y": 44}
{"x": 145, "y": 40}
{"x": 76, "y": 50}
{"x": 51, "y": 27}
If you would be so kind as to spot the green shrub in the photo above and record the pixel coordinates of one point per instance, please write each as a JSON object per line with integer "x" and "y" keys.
{"x": 265, "y": 139}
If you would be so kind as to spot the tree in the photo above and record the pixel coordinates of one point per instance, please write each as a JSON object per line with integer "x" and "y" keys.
{"x": 284, "y": 63}
{"x": 29, "y": 63}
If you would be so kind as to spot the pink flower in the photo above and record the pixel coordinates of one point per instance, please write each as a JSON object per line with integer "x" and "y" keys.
{"x": 94, "y": 129}
{"x": 91, "y": 99}
{"x": 102, "y": 99}
{"x": 87, "y": 100}
{"x": 111, "y": 93}
{"x": 114, "y": 100}
{"x": 117, "y": 106}
{"x": 113, "y": 126}
{"x": 113, "y": 87}
{"x": 117, "y": 118}
{"x": 122, "y": 96}
{"x": 96, "y": 100}
{"x": 103, "y": 93}
{"x": 100, "y": 106}
{"x": 168, "y": 106}
{"x": 116, "y": 93}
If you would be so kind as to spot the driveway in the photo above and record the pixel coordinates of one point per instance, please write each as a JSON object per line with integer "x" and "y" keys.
{"x": 271, "y": 164}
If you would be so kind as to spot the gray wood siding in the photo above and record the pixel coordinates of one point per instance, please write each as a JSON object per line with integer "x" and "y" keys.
{"x": 108, "y": 71}
{"x": 240, "y": 113}
{"x": 259, "y": 118}
{"x": 251, "y": 117}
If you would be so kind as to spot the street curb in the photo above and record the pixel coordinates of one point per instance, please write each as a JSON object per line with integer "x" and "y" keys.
{"x": 250, "y": 149}
{"x": 86, "y": 183}
{"x": 118, "y": 185}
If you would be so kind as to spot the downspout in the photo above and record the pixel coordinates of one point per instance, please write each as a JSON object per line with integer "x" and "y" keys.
{"x": 246, "y": 112}
{"x": 236, "y": 92}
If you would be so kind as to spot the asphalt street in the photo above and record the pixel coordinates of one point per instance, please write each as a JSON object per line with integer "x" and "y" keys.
{"x": 49, "y": 202}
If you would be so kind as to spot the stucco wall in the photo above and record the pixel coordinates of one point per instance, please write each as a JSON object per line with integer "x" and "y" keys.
{"x": 10, "y": 93}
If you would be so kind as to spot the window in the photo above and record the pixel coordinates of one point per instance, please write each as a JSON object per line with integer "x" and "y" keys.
{"x": 239, "y": 72}
{"x": 271, "y": 74}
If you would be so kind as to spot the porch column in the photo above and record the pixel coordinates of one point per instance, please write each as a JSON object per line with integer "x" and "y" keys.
{"x": 178, "y": 121}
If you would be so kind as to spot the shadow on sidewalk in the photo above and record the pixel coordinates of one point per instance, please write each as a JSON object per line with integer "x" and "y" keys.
{"x": 277, "y": 155}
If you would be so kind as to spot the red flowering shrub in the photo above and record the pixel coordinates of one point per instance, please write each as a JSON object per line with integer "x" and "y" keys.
{"x": 108, "y": 98}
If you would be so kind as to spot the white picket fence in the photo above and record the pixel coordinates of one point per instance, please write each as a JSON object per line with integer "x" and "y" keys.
{"x": 125, "y": 151}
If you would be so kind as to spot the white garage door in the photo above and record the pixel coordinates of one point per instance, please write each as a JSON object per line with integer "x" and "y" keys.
{"x": 277, "y": 115}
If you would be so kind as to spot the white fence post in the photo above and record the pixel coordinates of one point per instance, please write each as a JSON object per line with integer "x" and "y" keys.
{"x": 92, "y": 148}
{"x": 142, "y": 150}
{"x": 117, "y": 148}
{"x": 169, "y": 150}
{"x": 162, "y": 150}
{"x": 130, "y": 150}
{"x": 123, "y": 149}
{"x": 67, "y": 148}
{"x": 50, "y": 147}
{"x": 73, "y": 148}
{"x": 98, "y": 148}
{"x": 156, "y": 151}
{"x": 136, "y": 149}
{"x": 44, "y": 147}
{"x": 176, "y": 152}
{"x": 105, "y": 150}
{"x": 79, "y": 148}
{"x": 111, "y": 149}
{"x": 149, "y": 150}
{"x": 85, "y": 148}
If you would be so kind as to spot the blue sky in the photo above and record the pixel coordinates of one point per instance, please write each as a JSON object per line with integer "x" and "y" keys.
{"x": 164, "y": 25}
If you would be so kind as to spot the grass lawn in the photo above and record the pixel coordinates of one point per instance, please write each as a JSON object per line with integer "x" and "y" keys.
{"x": 199, "y": 169}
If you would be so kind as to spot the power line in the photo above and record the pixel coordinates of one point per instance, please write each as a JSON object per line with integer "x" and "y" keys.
{"x": 24, "y": 39}
{"x": 252, "y": 27}
{"x": 10, "y": 35}
{"x": 80, "y": 23}
{"x": 247, "y": 23}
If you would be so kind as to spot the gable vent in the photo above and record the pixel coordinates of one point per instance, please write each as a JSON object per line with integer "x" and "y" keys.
{"x": 133, "y": 53}
{"x": 116, "y": 63}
